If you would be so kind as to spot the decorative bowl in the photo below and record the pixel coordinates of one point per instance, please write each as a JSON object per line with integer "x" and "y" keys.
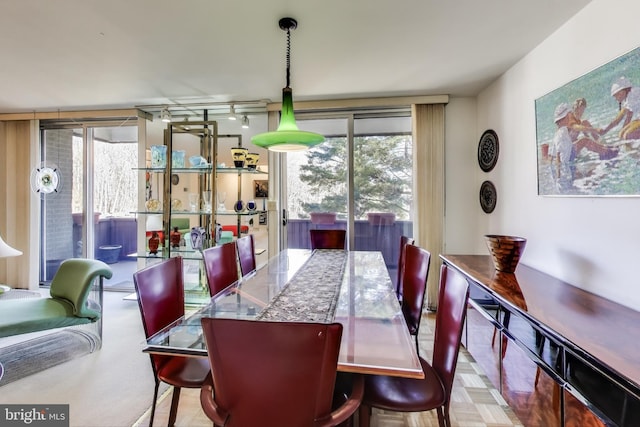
{"x": 505, "y": 251}
{"x": 197, "y": 162}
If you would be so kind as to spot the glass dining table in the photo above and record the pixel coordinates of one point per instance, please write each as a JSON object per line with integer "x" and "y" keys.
{"x": 349, "y": 287}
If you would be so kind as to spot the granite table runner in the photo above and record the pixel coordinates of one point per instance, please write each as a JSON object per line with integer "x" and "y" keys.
{"x": 312, "y": 293}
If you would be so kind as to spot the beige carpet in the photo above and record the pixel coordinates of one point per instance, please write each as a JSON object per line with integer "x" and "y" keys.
{"x": 475, "y": 403}
{"x": 111, "y": 387}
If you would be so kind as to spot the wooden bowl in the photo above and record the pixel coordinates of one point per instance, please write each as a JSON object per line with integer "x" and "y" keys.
{"x": 505, "y": 251}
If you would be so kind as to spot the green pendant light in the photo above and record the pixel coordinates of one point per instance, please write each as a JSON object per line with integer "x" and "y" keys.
{"x": 287, "y": 137}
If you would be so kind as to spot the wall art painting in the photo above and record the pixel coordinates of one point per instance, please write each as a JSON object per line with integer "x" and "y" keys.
{"x": 588, "y": 133}
{"x": 261, "y": 189}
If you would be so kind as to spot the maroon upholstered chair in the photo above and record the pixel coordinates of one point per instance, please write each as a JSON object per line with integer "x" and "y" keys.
{"x": 246, "y": 254}
{"x": 160, "y": 290}
{"x": 404, "y": 241}
{"x": 274, "y": 374}
{"x": 415, "y": 272}
{"x": 327, "y": 239}
{"x": 221, "y": 266}
{"x": 434, "y": 391}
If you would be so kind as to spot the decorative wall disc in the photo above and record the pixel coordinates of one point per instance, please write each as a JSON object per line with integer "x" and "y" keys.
{"x": 488, "y": 196}
{"x": 488, "y": 150}
{"x": 45, "y": 179}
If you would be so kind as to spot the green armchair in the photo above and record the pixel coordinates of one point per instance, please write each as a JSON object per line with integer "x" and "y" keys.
{"x": 68, "y": 305}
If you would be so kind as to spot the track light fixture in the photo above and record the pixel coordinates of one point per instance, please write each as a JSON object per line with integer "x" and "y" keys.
{"x": 287, "y": 137}
{"x": 245, "y": 122}
{"x": 232, "y": 113}
{"x": 165, "y": 115}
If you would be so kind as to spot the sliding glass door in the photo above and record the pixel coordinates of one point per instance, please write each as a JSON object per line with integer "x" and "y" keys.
{"x": 89, "y": 214}
{"x": 360, "y": 179}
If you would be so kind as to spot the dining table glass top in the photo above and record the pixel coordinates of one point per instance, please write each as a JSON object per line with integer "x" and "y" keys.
{"x": 349, "y": 287}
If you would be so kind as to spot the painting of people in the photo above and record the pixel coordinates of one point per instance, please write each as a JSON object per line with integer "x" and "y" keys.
{"x": 588, "y": 133}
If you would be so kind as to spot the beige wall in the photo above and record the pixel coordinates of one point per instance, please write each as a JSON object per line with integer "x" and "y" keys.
{"x": 590, "y": 242}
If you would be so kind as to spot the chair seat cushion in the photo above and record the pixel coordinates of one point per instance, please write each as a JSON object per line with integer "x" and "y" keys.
{"x": 188, "y": 372}
{"x": 405, "y": 394}
{"x": 29, "y": 315}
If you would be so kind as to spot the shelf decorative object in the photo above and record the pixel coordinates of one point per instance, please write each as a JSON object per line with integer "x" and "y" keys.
{"x": 154, "y": 243}
{"x": 206, "y": 201}
{"x": 177, "y": 158}
{"x": 197, "y": 237}
{"x": 222, "y": 196}
{"x": 197, "y": 161}
{"x": 238, "y": 206}
{"x": 194, "y": 202}
{"x": 239, "y": 156}
{"x": 158, "y": 156}
{"x": 153, "y": 205}
{"x": 175, "y": 237}
{"x": 252, "y": 161}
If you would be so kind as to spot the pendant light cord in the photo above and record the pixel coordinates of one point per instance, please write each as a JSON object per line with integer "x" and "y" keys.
{"x": 288, "y": 55}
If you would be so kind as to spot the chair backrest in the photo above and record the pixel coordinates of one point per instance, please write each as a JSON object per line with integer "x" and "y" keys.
{"x": 72, "y": 282}
{"x": 404, "y": 241}
{"x": 246, "y": 254}
{"x": 450, "y": 315}
{"x": 221, "y": 266}
{"x": 327, "y": 239}
{"x": 415, "y": 272}
{"x": 160, "y": 290}
{"x": 272, "y": 374}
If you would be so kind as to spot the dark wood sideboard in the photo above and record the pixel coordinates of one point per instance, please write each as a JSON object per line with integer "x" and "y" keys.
{"x": 559, "y": 355}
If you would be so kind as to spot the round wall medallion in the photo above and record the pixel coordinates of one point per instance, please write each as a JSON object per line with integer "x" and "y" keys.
{"x": 488, "y": 149}
{"x": 46, "y": 179}
{"x": 488, "y": 196}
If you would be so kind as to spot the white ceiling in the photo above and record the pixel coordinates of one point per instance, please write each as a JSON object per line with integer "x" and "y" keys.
{"x": 77, "y": 54}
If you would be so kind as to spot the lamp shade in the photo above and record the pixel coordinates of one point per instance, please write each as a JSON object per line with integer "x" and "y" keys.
{"x": 154, "y": 223}
{"x": 287, "y": 137}
{"x": 6, "y": 250}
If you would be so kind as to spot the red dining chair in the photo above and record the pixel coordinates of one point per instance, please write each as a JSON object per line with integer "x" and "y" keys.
{"x": 434, "y": 391}
{"x": 404, "y": 241}
{"x": 415, "y": 273}
{"x": 327, "y": 239}
{"x": 160, "y": 291}
{"x": 274, "y": 374}
{"x": 221, "y": 266}
{"x": 246, "y": 254}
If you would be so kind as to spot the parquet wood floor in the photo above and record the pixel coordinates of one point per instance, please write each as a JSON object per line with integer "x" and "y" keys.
{"x": 475, "y": 402}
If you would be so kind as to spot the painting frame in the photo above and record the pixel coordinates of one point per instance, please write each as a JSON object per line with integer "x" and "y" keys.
{"x": 588, "y": 133}
{"x": 261, "y": 189}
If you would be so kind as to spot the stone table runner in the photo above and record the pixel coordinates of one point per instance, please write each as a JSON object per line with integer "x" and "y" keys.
{"x": 312, "y": 293}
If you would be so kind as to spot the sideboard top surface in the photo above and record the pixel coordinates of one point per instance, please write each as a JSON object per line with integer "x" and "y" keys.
{"x": 607, "y": 331}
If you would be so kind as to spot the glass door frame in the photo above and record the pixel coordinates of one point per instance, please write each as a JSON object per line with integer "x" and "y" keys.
{"x": 281, "y": 164}
{"x": 88, "y": 225}
{"x": 282, "y": 176}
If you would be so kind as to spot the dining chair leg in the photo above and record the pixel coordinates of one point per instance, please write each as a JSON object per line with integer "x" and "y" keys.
{"x": 153, "y": 404}
{"x": 442, "y": 419}
{"x": 174, "y": 406}
{"x": 364, "y": 415}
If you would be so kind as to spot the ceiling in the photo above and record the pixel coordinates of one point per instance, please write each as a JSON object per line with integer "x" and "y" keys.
{"x": 80, "y": 54}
